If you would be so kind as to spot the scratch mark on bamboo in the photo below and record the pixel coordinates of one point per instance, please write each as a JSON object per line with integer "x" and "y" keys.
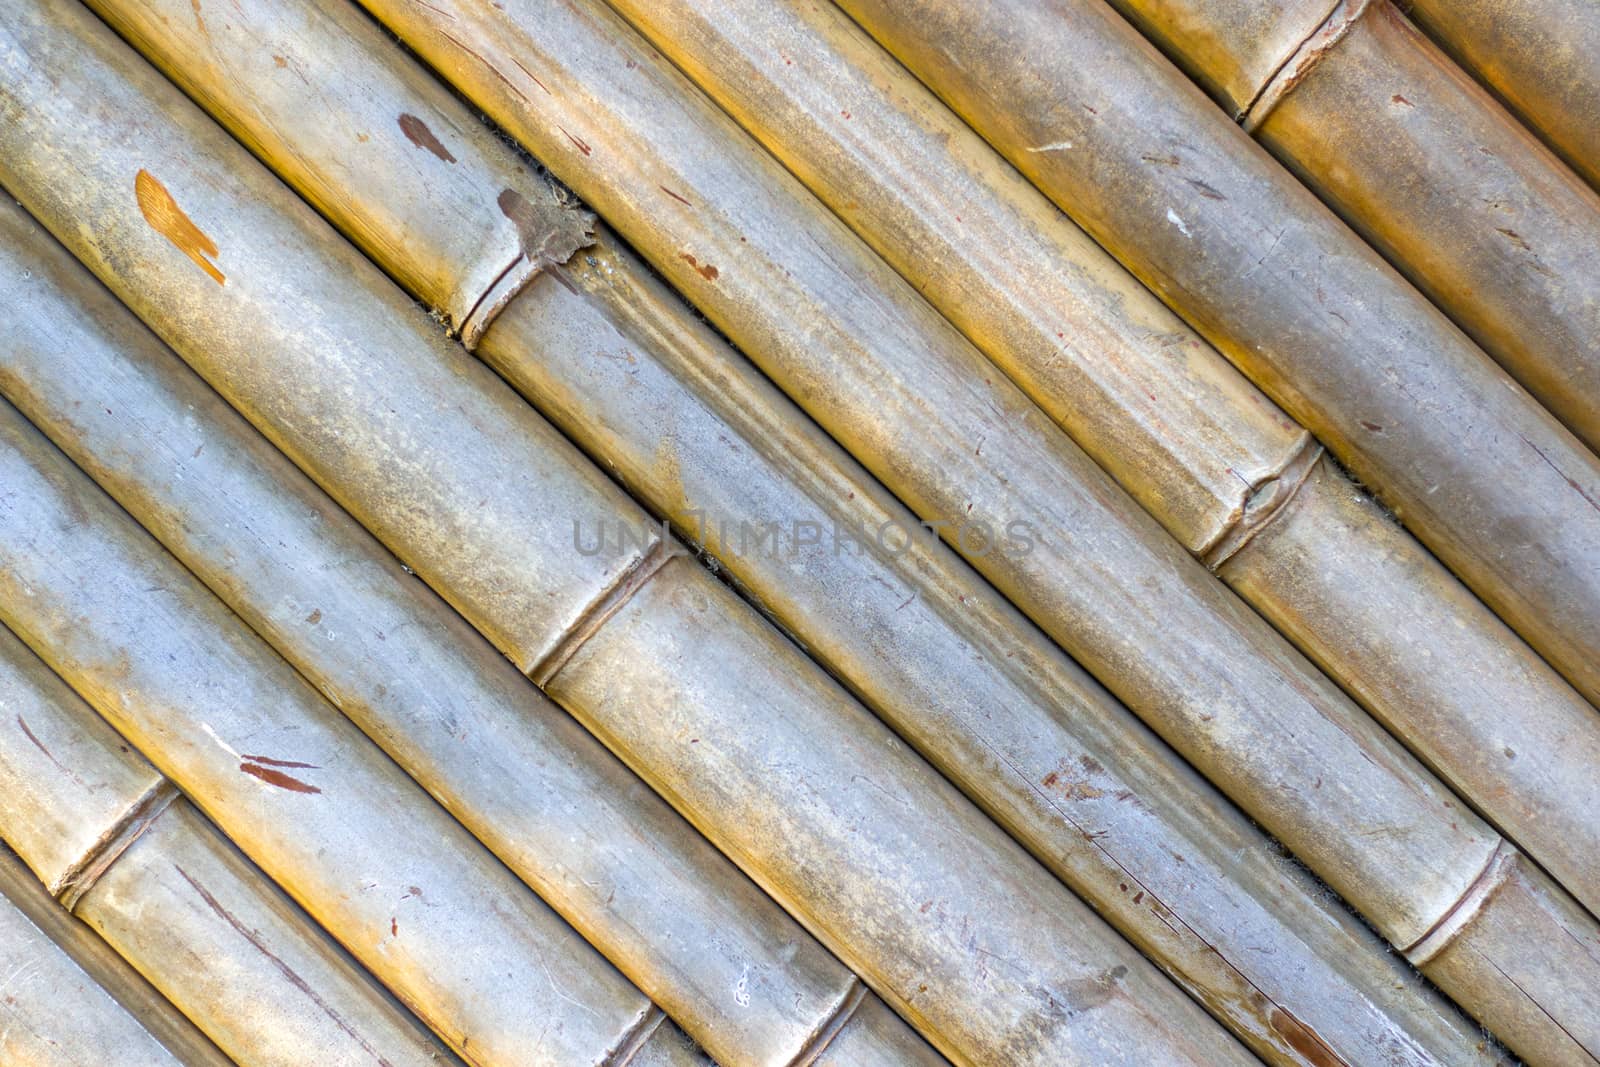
{"x": 168, "y": 219}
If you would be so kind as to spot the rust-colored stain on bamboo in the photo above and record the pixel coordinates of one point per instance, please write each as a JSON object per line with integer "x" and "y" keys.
{"x": 168, "y": 219}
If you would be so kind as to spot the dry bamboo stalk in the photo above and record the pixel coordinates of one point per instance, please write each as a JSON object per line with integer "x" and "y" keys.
{"x": 1483, "y": 476}
{"x": 101, "y": 963}
{"x": 56, "y": 1011}
{"x": 641, "y": 884}
{"x": 865, "y": 843}
{"x": 302, "y": 792}
{"x": 109, "y": 836}
{"x": 1542, "y": 57}
{"x": 1426, "y": 166}
{"x": 840, "y": 333}
{"x": 1204, "y": 451}
{"x": 944, "y": 647}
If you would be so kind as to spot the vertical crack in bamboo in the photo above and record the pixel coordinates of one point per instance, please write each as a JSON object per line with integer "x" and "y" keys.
{"x": 81, "y": 877}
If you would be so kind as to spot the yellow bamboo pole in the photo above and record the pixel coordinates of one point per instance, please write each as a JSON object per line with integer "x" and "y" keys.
{"x": 75, "y": 1003}
{"x": 904, "y": 878}
{"x": 635, "y": 879}
{"x": 1542, "y": 57}
{"x": 306, "y": 796}
{"x": 1425, "y": 165}
{"x": 1483, "y": 476}
{"x": 109, "y": 837}
{"x": 890, "y": 379}
{"x": 1203, "y": 450}
{"x": 57, "y": 1011}
{"x": 619, "y": 364}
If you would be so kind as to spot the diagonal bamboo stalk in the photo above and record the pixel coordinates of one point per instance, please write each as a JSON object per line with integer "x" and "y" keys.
{"x": 845, "y": 337}
{"x": 1205, "y": 452}
{"x": 1422, "y": 163}
{"x": 617, "y": 363}
{"x": 302, "y": 793}
{"x": 64, "y": 1004}
{"x": 1542, "y": 57}
{"x": 890, "y": 866}
{"x": 1498, "y": 490}
{"x": 571, "y": 821}
{"x": 171, "y": 896}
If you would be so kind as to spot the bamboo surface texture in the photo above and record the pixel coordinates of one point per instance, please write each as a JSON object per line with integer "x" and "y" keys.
{"x": 1484, "y": 477}
{"x": 1426, "y": 166}
{"x": 326, "y": 815}
{"x": 110, "y": 838}
{"x": 54, "y": 1012}
{"x": 1203, "y": 450}
{"x": 576, "y": 825}
{"x": 840, "y": 333}
{"x": 618, "y": 364}
{"x": 1542, "y": 57}
{"x": 865, "y": 843}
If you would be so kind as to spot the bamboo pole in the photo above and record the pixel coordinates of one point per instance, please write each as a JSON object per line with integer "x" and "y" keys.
{"x": 302, "y": 793}
{"x": 1204, "y": 451}
{"x": 1426, "y": 166}
{"x": 840, "y": 333}
{"x": 635, "y": 879}
{"x": 1498, "y": 490}
{"x": 57, "y": 1011}
{"x": 892, "y": 868}
{"x": 618, "y": 363}
{"x": 109, "y": 836}
{"x": 1542, "y": 57}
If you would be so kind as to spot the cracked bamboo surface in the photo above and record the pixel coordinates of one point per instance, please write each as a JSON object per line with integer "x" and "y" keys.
{"x": 864, "y": 842}
{"x": 844, "y": 336}
{"x": 58, "y": 1010}
{"x": 171, "y": 896}
{"x": 619, "y": 365}
{"x": 1484, "y": 477}
{"x": 355, "y": 842}
{"x": 1200, "y": 447}
{"x": 641, "y": 884}
{"x": 1542, "y": 57}
{"x": 1426, "y": 166}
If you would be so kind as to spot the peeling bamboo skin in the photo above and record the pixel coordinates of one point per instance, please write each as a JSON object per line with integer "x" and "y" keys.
{"x": 641, "y": 884}
{"x": 1483, "y": 476}
{"x": 325, "y": 815}
{"x": 1546, "y": 946}
{"x": 614, "y": 360}
{"x": 52, "y": 1013}
{"x": 1426, "y": 166}
{"x": 1155, "y": 406}
{"x": 325, "y": 313}
{"x": 1529, "y": 764}
{"x": 841, "y": 115}
{"x": 1065, "y": 1005}
{"x": 1233, "y": 48}
{"x": 153, "y": 1012}
{"x": 1542, "y": 57}
{"x": 555, "y": 343}
{"x": 178, "y": 902}
{"x": 981, "y": 445}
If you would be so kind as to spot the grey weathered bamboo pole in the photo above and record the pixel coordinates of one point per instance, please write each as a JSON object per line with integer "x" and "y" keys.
{"x": 1247, "y": 255}
{"x": 104, "y": 968}
{"x": 834, "y": 327}
{"x": 890, "y": 866}
{"x": 110, "y": 837}
{"x": 669, "y": 910}
{"x": 1424, "y": 164}
{"x": 629, "y": 365}
{"x": 1542, "y": 57}
{"x": 57, "y": 1012}
{"x": 1203, "y": 450}
{"x": 306, "y": 796}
